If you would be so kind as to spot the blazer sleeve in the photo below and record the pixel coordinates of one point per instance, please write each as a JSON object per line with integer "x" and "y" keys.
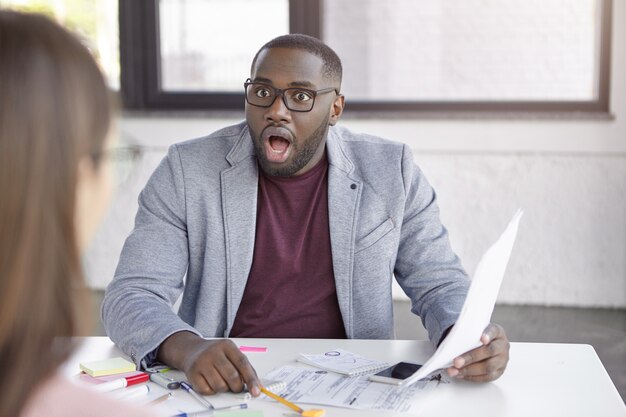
{"x": 137, "y": 307}
{"x": 427, "y": 268}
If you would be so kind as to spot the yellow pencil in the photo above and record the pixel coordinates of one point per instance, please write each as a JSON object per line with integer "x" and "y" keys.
{"x": 305, "y": 413}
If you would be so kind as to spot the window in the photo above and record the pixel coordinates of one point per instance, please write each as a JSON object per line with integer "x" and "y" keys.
{"x": 202, "y": 52}
{"x": 94, "y": 22}
{"x": 472, "y": 54}
{"x": 401, "y": 56}
{"x": 196, "y": 54}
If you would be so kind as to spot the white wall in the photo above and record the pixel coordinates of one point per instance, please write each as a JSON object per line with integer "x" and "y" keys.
{"x": 568, "y": 175}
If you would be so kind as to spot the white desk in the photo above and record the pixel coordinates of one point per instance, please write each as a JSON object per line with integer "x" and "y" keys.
{"x": 541, "y": 379}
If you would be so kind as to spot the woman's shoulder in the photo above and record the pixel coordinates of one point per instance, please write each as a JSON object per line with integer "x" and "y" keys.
{"x": 59, "y": 396}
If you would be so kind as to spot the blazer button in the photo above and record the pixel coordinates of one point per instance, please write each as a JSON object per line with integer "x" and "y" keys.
{"x": 353, "y": 186}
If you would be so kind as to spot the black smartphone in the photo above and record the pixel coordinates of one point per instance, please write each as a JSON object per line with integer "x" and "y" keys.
{"x": 396, "y": 374}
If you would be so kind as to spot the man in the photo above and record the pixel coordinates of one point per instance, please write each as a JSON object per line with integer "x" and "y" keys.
{"x": 285, "y": 227}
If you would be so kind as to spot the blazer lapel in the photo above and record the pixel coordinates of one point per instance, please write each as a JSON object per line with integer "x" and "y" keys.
{"x": 239, "y": 204}
{"x": 344, "y": 191}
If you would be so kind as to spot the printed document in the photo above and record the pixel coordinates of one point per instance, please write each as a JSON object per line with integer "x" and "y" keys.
{"x": 478, "y": 306}
{"x": 314, "y": 386}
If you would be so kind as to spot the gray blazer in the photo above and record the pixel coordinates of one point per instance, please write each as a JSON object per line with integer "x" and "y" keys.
{"x": 197, "y": 218}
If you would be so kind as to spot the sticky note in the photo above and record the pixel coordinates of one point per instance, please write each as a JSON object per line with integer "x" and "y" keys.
{"x": 313, "y": 413}
{"x": 253, "y": 348}
{"x": 107, "y": 367}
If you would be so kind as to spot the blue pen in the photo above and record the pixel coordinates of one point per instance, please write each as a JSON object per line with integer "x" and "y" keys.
{"x": 201, "y": 413}
{"x": 184, "y": 385}
{"x": 210, "y": 412}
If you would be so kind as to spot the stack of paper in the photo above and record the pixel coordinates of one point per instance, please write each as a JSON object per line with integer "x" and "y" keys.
{"x": 478, "y": 306}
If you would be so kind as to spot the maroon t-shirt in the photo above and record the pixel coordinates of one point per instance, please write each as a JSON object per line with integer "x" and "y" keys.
{"x": 291, "y": 288}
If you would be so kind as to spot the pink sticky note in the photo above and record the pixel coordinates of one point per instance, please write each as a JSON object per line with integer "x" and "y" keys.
{"x": 253, "y": 348}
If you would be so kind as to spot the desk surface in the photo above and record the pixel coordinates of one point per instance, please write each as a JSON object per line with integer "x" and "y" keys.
{"x": 541, "y": 378}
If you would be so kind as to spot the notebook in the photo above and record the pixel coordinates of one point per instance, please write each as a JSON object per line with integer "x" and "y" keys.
{"x": 274, "y": 386}
{"x": 343, "y": 362}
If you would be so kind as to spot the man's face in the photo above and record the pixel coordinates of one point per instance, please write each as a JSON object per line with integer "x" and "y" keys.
{"x": 287, "y": 142}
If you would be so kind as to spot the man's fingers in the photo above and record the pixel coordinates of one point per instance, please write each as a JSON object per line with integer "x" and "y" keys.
{"x": 490, "y": 366}
{"x": 233, "y": 380}
{"x": 200, "y": 384}
{"x": 219, "y": 366}
{"x": 221, "y": 378}
{"x": 492, "y": 331}
{"x": 229, "y": 368}
{"x": 224, "y": 378}
{"x": 496, "y": 347}
{"x": 484, "y": 371}
{"x": 245, "y": 371}
{"x": 494, "y": 342}
{"x": 486, "y": 362}
{"x": 488, "y": 370}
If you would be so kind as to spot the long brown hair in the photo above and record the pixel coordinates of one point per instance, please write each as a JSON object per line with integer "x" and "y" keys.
{"x": 54, "y": 110}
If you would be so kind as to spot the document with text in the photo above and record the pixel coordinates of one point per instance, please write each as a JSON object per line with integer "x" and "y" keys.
{"x": 314, "y": 386}
{"x": 478, "y": 307}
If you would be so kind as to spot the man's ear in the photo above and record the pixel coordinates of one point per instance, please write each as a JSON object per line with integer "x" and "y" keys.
{"x": 337, "y": 109}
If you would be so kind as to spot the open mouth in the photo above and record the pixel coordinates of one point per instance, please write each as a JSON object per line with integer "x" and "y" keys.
{"x": 277, "y": 143}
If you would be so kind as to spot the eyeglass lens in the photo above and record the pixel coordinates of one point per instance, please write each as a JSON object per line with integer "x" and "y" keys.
{"x": 296, "y": 99}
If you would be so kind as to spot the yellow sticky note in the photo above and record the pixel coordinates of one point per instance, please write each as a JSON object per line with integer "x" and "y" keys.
{"x": 107, "y": 367}
{"x": 313, "y": 413}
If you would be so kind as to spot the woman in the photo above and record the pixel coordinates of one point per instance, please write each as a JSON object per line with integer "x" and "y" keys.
{"x": 55, "y": 183}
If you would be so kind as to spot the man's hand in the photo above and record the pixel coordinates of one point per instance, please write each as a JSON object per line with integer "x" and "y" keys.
{"x": 486, "y": 362}
{"x": 211, "y": 366}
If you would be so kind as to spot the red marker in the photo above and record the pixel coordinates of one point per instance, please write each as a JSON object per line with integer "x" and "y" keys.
{"x": 122, "y": 382}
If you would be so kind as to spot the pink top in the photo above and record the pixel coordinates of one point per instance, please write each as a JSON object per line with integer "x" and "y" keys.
{"x": 60, "y": 397}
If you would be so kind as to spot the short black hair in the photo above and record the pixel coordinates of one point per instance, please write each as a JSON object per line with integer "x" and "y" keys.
{"x": 332, "y": 64}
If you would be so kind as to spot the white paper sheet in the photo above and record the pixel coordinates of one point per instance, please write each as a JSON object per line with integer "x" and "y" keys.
{"x": 314, "y": 386}
{"x": 478, "y": 306}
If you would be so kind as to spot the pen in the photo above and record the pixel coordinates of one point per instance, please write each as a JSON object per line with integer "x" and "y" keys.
{"x": 122, "y": 382}
{"x": 160, "y": 399}
{"x": 210, "y": 412}
{"x": 206, "y": 413}
{"x": 195, "y": 395}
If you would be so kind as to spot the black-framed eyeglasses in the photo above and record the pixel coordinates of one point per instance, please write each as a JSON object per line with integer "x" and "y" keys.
{"x": 295, "y": 98}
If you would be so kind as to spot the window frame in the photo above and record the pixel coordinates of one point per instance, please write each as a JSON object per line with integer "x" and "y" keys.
{"x": 140, "y": 63}
{"x": 140, "y": 72}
